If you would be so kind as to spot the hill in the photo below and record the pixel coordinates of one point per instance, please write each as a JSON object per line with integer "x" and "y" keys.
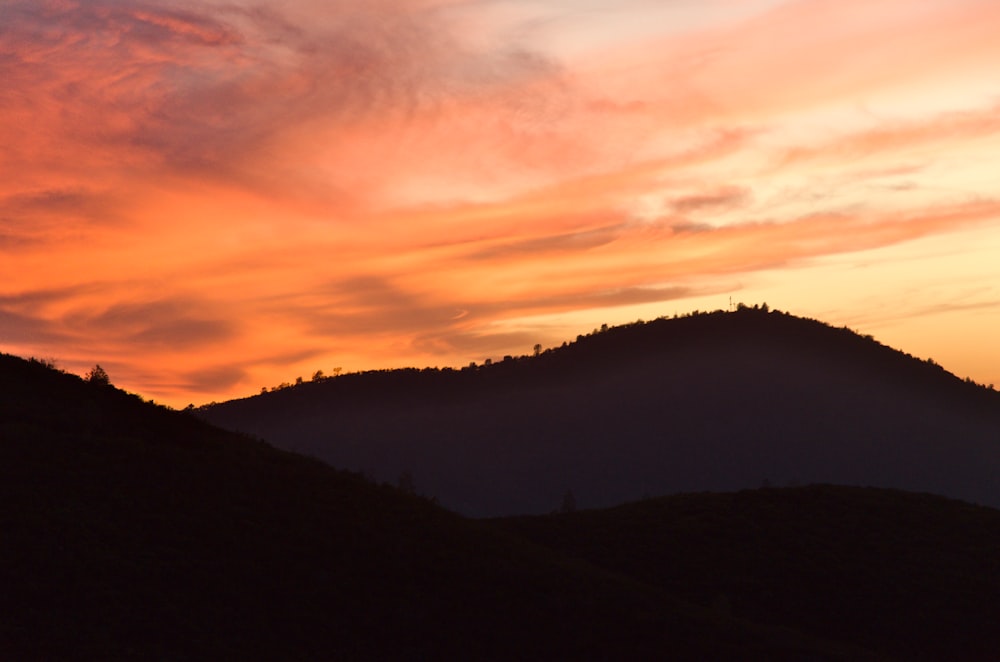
{"x": 910, "y": 576}
{"x": 134, "y": 532}
{"x": 712, "y": 401}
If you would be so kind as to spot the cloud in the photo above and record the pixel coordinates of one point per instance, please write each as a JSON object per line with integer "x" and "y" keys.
{"x": 210, "y": 194}
{"x": 902, "y": 135}
{"x": 10, "y": 241}
{"x": 18, "y": 329}
{"x": 605, "y": 105}
{"x": 766, "y": 245}
{"x": 571, "y": 242}
{"x": 366, "y": 306}
{"x": 302, "y": 103}
{"x": 479, "y": 337}
{"x": 32, "y": 214}
{"x": 721, "y": 198}
{"x": 943, "y": 308}
{"x": 213, "y": 379}
{"x": 477, "y": 345}
{"x": 175, "y": 323}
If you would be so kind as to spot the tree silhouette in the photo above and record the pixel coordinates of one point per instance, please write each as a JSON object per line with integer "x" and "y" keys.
{"x": 99, "y": 376}
{"x": 568, "y": 503}
{"x": 405, "y": 483}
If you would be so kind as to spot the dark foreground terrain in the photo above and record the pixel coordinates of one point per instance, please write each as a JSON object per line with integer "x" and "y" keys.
{"x": 135, "y": 532}
{"x": 713, "y": 401}
{"x": 911, "y": 576}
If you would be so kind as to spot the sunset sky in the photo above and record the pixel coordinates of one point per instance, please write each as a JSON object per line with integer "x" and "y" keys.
{"x": 210, "y": 197}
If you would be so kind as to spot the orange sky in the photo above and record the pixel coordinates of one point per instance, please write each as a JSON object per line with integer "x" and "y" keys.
{"x": 211, "y": 197}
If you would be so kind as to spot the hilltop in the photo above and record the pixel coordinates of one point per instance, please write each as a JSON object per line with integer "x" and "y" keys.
{"x": 710, "y": 401}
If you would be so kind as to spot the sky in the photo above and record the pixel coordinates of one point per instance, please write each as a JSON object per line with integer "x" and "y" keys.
{"x": 207, "y": 198}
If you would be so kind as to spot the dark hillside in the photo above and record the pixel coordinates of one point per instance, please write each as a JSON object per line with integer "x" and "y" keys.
{"x": 913, "y": 576}
{"x": 134, "y": 532}
{"x": 714, "y": 401}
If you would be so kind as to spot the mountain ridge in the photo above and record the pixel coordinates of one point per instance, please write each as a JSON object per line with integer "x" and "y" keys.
{"x": 728, "y": 399}
{"x": 131, "y": 531}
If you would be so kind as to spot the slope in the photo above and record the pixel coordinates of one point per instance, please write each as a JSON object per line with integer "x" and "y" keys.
{"x": 912, "y": 576}
{"x": 714, "y": 401}
{"x": 135, "y": 532}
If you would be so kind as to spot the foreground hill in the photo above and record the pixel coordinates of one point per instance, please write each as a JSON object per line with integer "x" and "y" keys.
{"x": 134, "y": 532}
{"x": 911, "y": 576}
{"x": 717, "y": 401}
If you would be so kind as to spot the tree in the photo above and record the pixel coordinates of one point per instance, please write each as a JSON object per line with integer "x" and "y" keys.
{"x": 99, "y": 376}
{"x": 568, "y": 502}
{"x": 405, "y": 483}
{"x": 538, "y": 349}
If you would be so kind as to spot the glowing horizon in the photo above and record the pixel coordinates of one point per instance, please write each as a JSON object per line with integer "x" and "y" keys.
{"x": 211, "y": 197}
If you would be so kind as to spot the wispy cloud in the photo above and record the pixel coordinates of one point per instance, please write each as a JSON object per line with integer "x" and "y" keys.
{"x": 208, "y": 196}
{"x": 722, "y": 198}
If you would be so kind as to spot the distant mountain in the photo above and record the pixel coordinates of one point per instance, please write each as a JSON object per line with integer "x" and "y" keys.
{"x": 711, "y": 401}
{"x": 133, "y": 532}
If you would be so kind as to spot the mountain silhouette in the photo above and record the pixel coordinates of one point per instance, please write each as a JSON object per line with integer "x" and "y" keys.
{"x": 710, "y": 401}
{"x": 131, "y": 531}
{"x": 868, "y": 566}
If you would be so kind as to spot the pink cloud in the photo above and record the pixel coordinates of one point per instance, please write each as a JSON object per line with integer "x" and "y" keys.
{"x": 390, "y": 182}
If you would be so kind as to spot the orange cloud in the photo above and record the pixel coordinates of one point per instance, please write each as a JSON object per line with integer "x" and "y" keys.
{"x": 208, "y": 197}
